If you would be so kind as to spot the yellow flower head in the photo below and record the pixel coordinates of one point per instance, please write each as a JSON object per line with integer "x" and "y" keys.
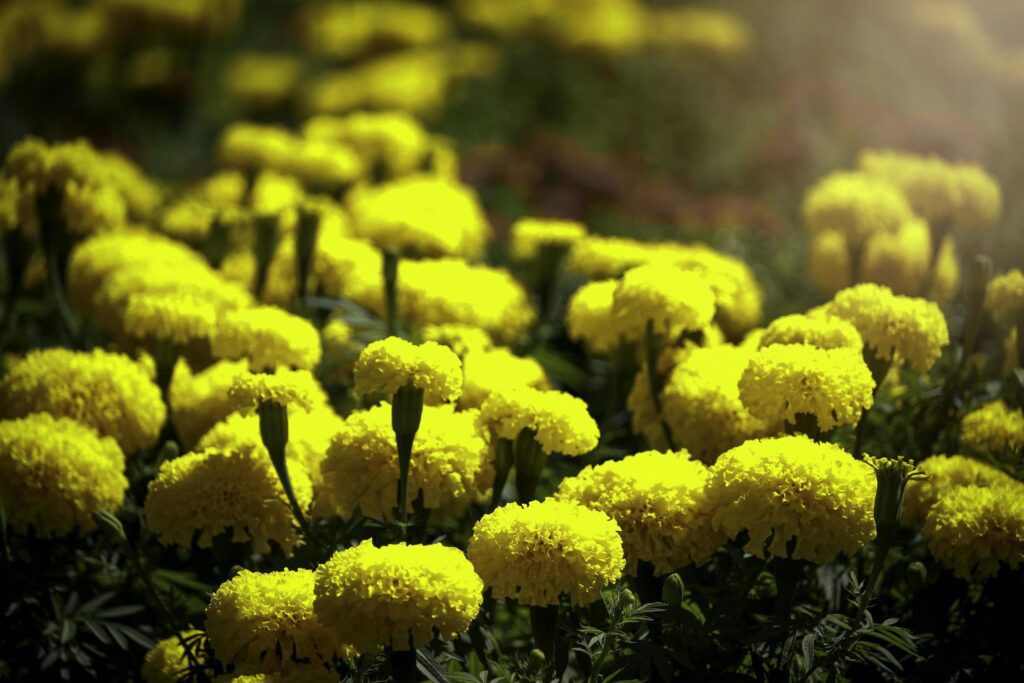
{"x": 530, "y": 235}
{"x": 55, "y": 473}
{"x": 993, "y": 429}
{"x": 212, "y": 492}
{"x": 317, "y": 162}
{"x": 178, "y": 319}
{"x": 784, "y": 380}
{"x": 898, "y": 260}
{"x": 973, "y": 529}
{"x": 674, "y": 299}
{"x": 979, "y": 199}
{"x": 294, "y": 388}
{"x": 829, "y": 261}
{"x": 791, "y": 487}
{"x": 926, "y": 181}
{"x": 269, "y": 337}
{"x": 397, "y": 595}
{"x": 387, "y": 365}
{"x": 560, "y": 421}
{"x": 893, "y": 326}
{"x": 262, "y": 623}
{"x": 497, "y": 369}
{"x": 167, "y": 662}
{"x": 450, "y": 463}
{"x": 198, "y": 401}
{"x": 90, "y": 208}
{"x": 659, "y": 502}
{"x": 855, "y": 204}
{"x": 107, "y": 391}
{"x": 596, "y": 256}
{"x": 423, "y": 215}
{"x": 458, "y": 337}
{"x": 1004, "y": 297}
{"x": 821, "y": 331}
{"x": 589, "y": 318}
{"x": 394, "y": 139}
{"x": 945, "y": 473}
{"x": 545, "y": 549}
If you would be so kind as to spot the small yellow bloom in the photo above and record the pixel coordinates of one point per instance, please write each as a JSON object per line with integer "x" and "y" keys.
{"x": 387, "y": 365}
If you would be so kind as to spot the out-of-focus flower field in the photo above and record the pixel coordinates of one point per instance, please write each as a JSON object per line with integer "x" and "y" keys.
{"x": 511, "y": 340}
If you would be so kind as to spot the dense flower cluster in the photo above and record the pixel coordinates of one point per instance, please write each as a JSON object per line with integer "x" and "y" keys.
{"x": 856, "y": 205}
{"x": 659, "y": 502}
{"x": 199, "y": 400}
{"x": 674, "y": 300}
{"x": 560, "y": 421}
{"x": 294, "y": 388}
{"x": 546, "y": 549}
{"x": 495, "y": 370}
{"x": 396, "y": 595}
{"x": 269, "y": 337}
{"x": 945, "y": 473}
{"x": 167, "y": 662}
{"x": 993, "y": 429}
{"x": 789, "y": 488}
{"x": 458, "y": 337}
{"x": 589, "y": 317}
{"x": 1004, "y": 297}
{"x": 387, "y": 365}
{"x": 821, "y": 331}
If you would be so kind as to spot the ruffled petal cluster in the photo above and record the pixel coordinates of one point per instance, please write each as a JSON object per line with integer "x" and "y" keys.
{"x": 857, "y": 205}
{"x": 945, "y": 473}
{"x": 495, "y": 370}
{"x": 179, "y": 319}
{"x": 529, "y": 235}
{"x": 546, "y": 549}
{"x": 792, "y": 487}
{"x": 55, "y": 473}
{"x": 387, "y": 365}
{"x": 561, "y": 422}
{"x": 1004, "y": 297}
{"x": 200, "y": 400}
{"x": 589, "y": 318}
{"x": 293, "y": 388}
{"x": 396, "y": 596}
{"x": 167, "y": 662}
{"x": 784, "y": 380}
{"x": 821, "y": 331}
{"x": 458, "y": 337}
{"x": 269, "y": 337}
{"x": 993, "y": 429}
{"x": 659, "y": 502}
{"x": 109, "y": 392}
{"x": 450, "y": 463}
{"x": 202, "y": 495}
{"x": 264, "y": 623}
{"x": 673, "y": 299}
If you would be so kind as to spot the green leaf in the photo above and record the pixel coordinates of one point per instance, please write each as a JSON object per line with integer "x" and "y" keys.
{"x": 430, "y": 667}
{"x": 807, "y": 648}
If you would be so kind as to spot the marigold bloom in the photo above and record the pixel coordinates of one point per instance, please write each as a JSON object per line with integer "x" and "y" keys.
{"x": 89, "y": 208}
{"x": 658, "y": 500}
{"x": 107, "y": 391}
{"x": 167, "y": 662}
{"x": 561, "y": 422}
{"x": 178, "y": 319}
{"x": 262, "y": 623}
{"x": 269, "y": 337}
{"x": 589, "y": 318}
{"x": 387, "y": 365}
{"x": 529, "y": 235}
{"x": 214, "y": 491}
{"x": 497, "y": 369}
{"x": 1004, "y": 297}
{"x": 294, "y": 388}
{"x": 792, "y": 487}
{"x": 893, "y": 326}
{"x": 55, "y": 473}
{"x": 450, "y": 463}
{"x": 829, "y": 261}
{"x": 900, "y": 261}
{"x": 458, "y": 337}
{"x": 200, "y": 400}
{"x": 993, "y": 429}
{"x": 596, "y": 256}
{"x": 395, "y": 140}
{"x": 317, "y": 162}
{"x": 423, "y": 215}
{"x": 974, "y": 529}
{"x": 396, "y": 596}
{"x": 784, "y": 380}
{"x": 945, "y": 473}
{"x": 547, "y": 548}
{"x": 821, "y": 331}
{"x": 673, "y": 299}
{"x": 855, "y": 204}
{"x": 978, "y": 200}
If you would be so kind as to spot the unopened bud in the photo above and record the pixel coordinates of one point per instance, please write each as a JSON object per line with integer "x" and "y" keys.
{"x": 673, "y": 590}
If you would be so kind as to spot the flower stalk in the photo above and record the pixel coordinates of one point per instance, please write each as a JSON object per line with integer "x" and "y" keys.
{"x": 529, "y": 460}
{"x": 391, "y": 259}
{"x": 274, "y": 433}
{"x": 504, "y": 457}
{"x": 406, "y": 413}
{"x": 652, "y": 347}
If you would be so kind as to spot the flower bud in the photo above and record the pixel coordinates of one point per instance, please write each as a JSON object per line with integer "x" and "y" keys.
{"x": 672, "y": 591}
{"x": 109, "y": 524}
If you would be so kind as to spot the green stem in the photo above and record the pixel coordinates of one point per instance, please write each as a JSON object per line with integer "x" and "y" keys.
{"x": 51, "y": 233}
{"x": 504, "y": 456}
{"x": 544, "y": 624}
{"x": 403, "y": 665}
{"x": 529, "y": 461}
{"x": 266, "y": 242}
{"x": 274, "y": 432}
{"x": 939, "y": 231}
{"x": 652, "y": 348}
{"x": 406, "y": 413}
{"x": 305, "y": 243}
{"x": 1020, "y": 341}
{"x": 391, "y": 259}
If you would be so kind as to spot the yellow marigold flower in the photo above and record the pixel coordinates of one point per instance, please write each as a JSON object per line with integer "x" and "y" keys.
{"x": 974, "y": 529}
{"x": 189, "y": 219}
{"x": 589, "y": 318}
{"x": 659, "y": 502}
{"x": 898, "y": 260}
{"x": 200, "y": 400}
{"x": 792, "y": 487}
{"x": 178, "y": 319}
{"x": 261, "y": 79}
{"x": 450, "y": 463}
{"x": 55, "y": 473}
{"x": 596, "y": 256}
{"x": 318, "y": 162}
{"x": 336, "y": 333}
{"x": 387, "y": 365}
{"x": 397, "y": 595}
{"x": 297, "y": 389}
{"x": 822, "y": 331}
{"x": 458, "y": 337}
{"x": 167, "y": 661}
{"x": 496, "y": 369}
{"x": 545, "y": 549}
{"x": 893, "y": 326}
{"x": 529, "y": 235}
{"x": 785, "y": 380}
{"x": 673, "y": 299}
{"x": 926, "y": 181}
{"x": 394, "y": 139}
{"x": 107, "y": 391}
{"x": 978, "y": 200}
{"x": 269, "y": 337}
{"x": 1004, "y": 297}
{"x": 829, "y": 261}
{"x": 561, "y": 422}
{"x": 855, "y": 204}
{"x": 993, "y": 429}
{"x": 88, "y": 208}
{"x": 262, "y": 623}
{"x": 213, "y": 492}
{"x": 422, "y": 215}
{"x": 309, "y": 435}
{"x": 945, "y": 473}
{"x": 275, "y": 196}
